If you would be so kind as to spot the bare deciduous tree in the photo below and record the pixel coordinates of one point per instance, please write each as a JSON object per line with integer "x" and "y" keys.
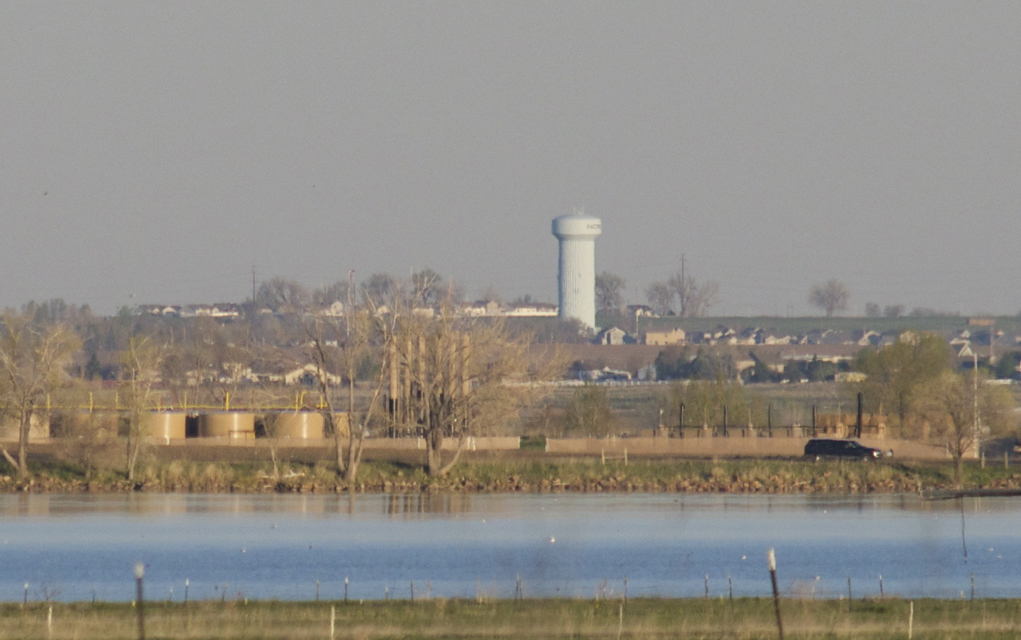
{"x": 831, "y": 297}
{"x": 365, "y": 328}
{"x": 452, "y": 377}
{"x": 609, "y": 292}
{"x": 282, "y": 295}
{"x": 33, "y": 361}
{"x": 694, "y": 299}
{"x": 141, "y": 364}
{"x": 661, "y": 298}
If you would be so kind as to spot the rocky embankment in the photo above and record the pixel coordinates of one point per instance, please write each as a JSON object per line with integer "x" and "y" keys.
{"x": 689, "y": 476}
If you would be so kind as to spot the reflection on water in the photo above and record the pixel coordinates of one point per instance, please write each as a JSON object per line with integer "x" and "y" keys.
{"x": 277, "y": 546}
{"x": 445, "y": 503}
{"x": 169, "y": 504}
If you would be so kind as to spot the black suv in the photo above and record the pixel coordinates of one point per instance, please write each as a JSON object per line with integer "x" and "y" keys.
{"x": 830, "y": 448}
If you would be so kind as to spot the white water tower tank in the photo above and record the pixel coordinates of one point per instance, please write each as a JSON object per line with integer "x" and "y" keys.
{"x": 576, "y": 275}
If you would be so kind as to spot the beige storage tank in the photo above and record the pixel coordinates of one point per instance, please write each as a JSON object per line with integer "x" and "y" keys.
{"x": 299, "y": 425}
{"x": 227, "y": 424}
{"x": 164, "y": 425}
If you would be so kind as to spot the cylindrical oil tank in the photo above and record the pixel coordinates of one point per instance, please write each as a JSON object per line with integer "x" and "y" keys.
{"x": 165, "y": 425}
{"x": 299, "y": 425}
{"x": 227, "y": 424}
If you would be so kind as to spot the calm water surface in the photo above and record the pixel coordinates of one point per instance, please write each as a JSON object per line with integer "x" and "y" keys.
{"x": 75, "y": 547}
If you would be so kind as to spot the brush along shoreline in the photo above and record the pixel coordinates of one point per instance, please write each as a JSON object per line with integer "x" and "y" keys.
{"x": 739, "y": 476}
{"x": 638, "y": 618}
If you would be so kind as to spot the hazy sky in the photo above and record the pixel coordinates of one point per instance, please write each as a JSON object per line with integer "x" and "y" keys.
{"x": 161, "y": 149}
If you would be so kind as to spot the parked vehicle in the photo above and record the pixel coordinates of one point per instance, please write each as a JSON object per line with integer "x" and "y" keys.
{"x": 820, "y": 448}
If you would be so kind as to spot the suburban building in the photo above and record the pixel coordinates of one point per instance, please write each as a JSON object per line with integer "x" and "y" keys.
{"x": 664, "y": 337}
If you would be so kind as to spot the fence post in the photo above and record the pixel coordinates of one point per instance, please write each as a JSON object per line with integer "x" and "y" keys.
{"x": 139, "y": 574}
{"x": 858, "y": 424}
{"x": 776, "y": 592}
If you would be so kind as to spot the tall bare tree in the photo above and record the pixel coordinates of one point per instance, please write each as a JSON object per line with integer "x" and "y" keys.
{"x": 33, "y": 362}
{"x": 609, "y": 292}
{"x": 453, "y": 377}
{"x": 661, "y": 297}
{"x": 141, "y": 364}
{"x": 282, "y": 295}
{"x": 364, "y": 330}
{"x": 832, "y": 296}
{"x": 694, "y": 299}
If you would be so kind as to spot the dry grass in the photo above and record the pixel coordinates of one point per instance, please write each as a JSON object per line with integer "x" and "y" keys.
{"x": 552, "y": 619}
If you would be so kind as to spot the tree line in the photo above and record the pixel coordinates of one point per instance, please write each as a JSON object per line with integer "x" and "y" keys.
{"x": 452, "y": 369}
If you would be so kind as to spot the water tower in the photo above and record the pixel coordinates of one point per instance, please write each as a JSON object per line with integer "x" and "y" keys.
{"x": 576, "y": 275}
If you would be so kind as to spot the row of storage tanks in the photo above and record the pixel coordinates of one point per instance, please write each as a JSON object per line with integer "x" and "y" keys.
{"x": 239, "y": 425}
{"x": 301, "y": 425}
{"x": 178, "y": 425}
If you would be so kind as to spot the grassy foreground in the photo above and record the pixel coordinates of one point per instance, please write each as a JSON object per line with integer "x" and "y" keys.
{"x": 520, "y": 472}
{"x": 744, "y": 618}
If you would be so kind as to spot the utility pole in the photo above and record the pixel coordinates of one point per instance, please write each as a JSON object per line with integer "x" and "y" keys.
{"x": 253, "y": 286}
{"x": 683, "y": 289}
{"x": 348, "y": 314}
{"x": 974, "y": 373}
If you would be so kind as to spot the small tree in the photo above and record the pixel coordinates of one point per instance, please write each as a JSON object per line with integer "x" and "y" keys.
{"x": 589, "y": 412}
{"x": 704, "y": 402}
{"x": 897, "y": 377}
{"x": 33, "y": 361}
{"x": 951, "y": 401}
{"x": 831, "y": 297}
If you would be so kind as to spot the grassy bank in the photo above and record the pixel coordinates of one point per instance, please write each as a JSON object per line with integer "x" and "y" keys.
{"x": 523, "y": 472}
{"x": 744, "y": 618}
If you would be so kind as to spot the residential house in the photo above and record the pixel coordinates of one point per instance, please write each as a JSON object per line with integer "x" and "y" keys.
{"x": 641, "y": 311}
{"x": 481, "y": 308}
{"x": 613, "y": 336}
{"x": 532, "y": 310}
{"x": 664, "y": 337}
{"x": 306, "y": 376}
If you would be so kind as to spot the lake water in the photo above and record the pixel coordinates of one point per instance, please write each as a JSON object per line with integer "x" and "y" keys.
{"x": 76, "y": 547}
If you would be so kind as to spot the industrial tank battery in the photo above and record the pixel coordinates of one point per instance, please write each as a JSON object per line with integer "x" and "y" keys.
{"x": 296, "y": 425}
{"x": 236, "y": 425}
{"x": 576, "y": 275}
{"x": 165, "y": 425}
